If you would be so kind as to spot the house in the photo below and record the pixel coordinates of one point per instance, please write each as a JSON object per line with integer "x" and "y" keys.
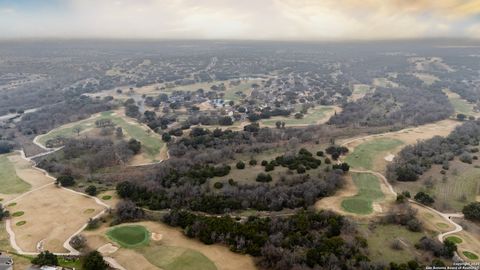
{"x": 6, "y": 262}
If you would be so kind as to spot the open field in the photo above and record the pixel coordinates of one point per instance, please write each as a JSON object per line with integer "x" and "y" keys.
{"x": 369, "y": 191}
{"x": 360, "y": 90}
{"x": 153, "y": 147}
{"x": 384, "y": 82}
{"x": 460, "y": 105}
{"x": 51, "y": 215}
{"x": 382, "y": 237}
{"x": 317, "y": 115}
{"x": 174, "y": 251}
{"x": 364, "y": 154}
{"x": 459, "y": 186}
{"x": 10, "y": 183}
{"x": 432, "y": 222}
{"x": 130, "y": 236}
{"x": 427, "y": 79}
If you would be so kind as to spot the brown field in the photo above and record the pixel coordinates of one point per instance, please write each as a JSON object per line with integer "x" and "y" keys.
{"x": 52, "y": 214}
{"x": 220, "y": 255}
{"x": 432, "y": 221}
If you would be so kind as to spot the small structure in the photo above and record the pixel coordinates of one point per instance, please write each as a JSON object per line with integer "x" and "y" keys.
{"x": 6, "y": 262}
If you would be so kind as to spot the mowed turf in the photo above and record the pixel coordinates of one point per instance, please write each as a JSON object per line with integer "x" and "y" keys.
{"x": 369, "y": 191}
{"x": 363, "y": 155}
{"x": 130, "y": 236}
{"x": 470, "y": 255}
{"x": 177, "y": 258}
{"x": 10, "y": 183}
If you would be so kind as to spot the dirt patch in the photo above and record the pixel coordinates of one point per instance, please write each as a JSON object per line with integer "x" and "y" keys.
{"x": 389, "y": 157}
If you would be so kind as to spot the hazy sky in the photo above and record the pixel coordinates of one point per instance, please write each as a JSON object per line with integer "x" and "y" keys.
{"x": 240, "y": 19}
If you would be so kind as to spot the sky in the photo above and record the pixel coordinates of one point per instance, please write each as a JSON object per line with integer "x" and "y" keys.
{"x": 240, "y": 19}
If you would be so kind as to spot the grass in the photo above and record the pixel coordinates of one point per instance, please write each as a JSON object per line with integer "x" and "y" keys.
{"x": 177, "y": 258}
{"x": 363, "y": 156}
{"x": 106, "y": 197}
{"x": 380, "y": 238}
{"x": 311, "y": 118}
{"x": 442, "y": 225}
{"x": 470, "y": 255}
{"x": 89, "y": 211}
{"x": 18, "y": 214}
{"x": 368, "y": 192}
{"x": 21, "y": 223}
{"x": 10, "y": 183}
{"x": 12, "y": 204}
{"x": 455, "y": 239}
{"x": 151, "y": 142}
{"x": 130, "y": 236}
{"x": 460, "y": 105}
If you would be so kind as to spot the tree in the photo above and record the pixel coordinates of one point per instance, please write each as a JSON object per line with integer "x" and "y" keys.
{"x": 225, "y": 121}
{"x": 298, "y": 116}
{"x": 3, "y": 213}
{"x": 94, "y": 261}
{"x": 91, "y": 190}
{"x": 45, "y": 258}
{"x": 128, "y": 211}
{"x": 278, "y": 124}
{"x": 252, "y": 162}
{"x": 218, "y": 185}
{"x": 472, "y": 211}
{"x": 134, "y": 145}
{"x": 423, "y": 198}
{"x": 263, "y": 177}
{"x": 65, "y": 181}
{"x": 166, "y": 137}
{"x": 119, "y": 132}
{"x": 240, "y": 165}
{"x": 461, "y": 117}
{"x": 77, "y": 130}
{"x": 78, "y": 241}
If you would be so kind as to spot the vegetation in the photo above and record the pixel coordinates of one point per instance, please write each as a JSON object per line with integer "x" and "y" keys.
{"x": 472, "y": 211}
{"x": 177, "y": 258}
{"x": 129, "y": 236}
{"x": 9, "y": 181}
{"x": 94, "y": 261}
{"x": 365, "y": 154}
{"x": 368, "y": 192}
{"x": 45, "y": 258}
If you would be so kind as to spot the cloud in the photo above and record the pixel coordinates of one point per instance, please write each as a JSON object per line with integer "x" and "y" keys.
{"x": 247, "y": 19}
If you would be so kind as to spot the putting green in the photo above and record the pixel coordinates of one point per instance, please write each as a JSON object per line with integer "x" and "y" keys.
{"x": 470, "y": 255}
{"x": 18, "y": 214}
{"x": 177, "y": 258}
{"x": 455, "y": 239}
{"x": 129, "y": 236}
{"x": 106, "y": 197}
{"x": 21, "y": 223}
{"x": 369, "y": 191}
{"x": 364, "y": 154}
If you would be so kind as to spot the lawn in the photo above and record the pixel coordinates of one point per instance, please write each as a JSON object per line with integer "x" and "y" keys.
{"x": 363, "y": 156}
{"x": 151, "y": 142}
{"x": 368, "y": 192}
{"x": 380, "y": 239}
{"x": 460, "y": 105}
{"x": 177, "y": 258}
{"x": 455, "y": 239}
{"x": 129, "y": 236}
{"x": 10, "y": 183}
{"x": 311, "y": 118}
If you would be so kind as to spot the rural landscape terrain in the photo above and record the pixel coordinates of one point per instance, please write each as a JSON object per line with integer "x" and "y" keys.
{"x": 228, "y": 155}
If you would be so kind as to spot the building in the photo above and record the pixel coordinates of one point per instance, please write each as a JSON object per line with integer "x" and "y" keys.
{"x": 6, "y": 262}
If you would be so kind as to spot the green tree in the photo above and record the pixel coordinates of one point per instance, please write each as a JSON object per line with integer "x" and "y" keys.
{"x": 472, "y": 211}
{"x": 91, "y": 190}
{"x": 94, "y": 261}
{"x": 45, "y": 258}
{"x": 65, "y": 181}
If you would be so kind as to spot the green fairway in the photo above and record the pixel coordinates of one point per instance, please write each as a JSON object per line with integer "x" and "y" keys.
{"x": 177, "y": 258}
{"x": 455, "y": 239}
{"x": 460, "y": 105}
{"x": 311, "y": 118}
{"x": 10, "y": 183}
{"x": 470, "y": 255}
{"x": 151, "y": 142}
{"x": 363, "y": 156}
{"x": 368, "y": 192}
{"x": 130, "y": 236}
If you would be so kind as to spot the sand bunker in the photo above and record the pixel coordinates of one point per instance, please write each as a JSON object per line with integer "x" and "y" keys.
{"x": 389, "y": 157}
{"x": 107, "y": 249}
{"x": 157, "y": 236}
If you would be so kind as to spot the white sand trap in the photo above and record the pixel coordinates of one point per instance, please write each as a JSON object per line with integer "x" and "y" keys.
{"x": 377, "y": 207}
{"x": 389, "y": 157}
{"x": 107, "y": 249}
{"x": 157, "y": 236}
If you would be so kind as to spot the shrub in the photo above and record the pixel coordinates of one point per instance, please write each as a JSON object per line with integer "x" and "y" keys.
{"x": 424, "y": 198}
{"x": 65, "y": 181}
{"x": 218, "y": 185}
{"x": 263, "y": 177}
{"x": 472, "y": 211}
{"x": 91, "y": 190}
{"x": 240, "y": 165}
{"x": 264, "y": 163}
{"x": 45, "y": 258}
{"x": 269, "y": 167}
{"x": 320, "y": 153}
{"x": 94, "y": 261}
{"x": 252, "y": 162}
